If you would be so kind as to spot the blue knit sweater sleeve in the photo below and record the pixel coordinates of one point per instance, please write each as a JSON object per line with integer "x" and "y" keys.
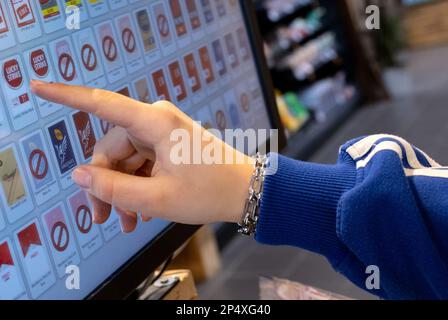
{"x": 384, "y": 204}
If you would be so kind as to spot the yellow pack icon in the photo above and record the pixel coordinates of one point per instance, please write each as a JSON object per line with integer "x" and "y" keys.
{"x": 11, "y": 179}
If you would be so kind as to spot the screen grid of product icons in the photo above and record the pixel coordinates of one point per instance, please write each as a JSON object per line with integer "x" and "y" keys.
{"x": 195, "y": 53}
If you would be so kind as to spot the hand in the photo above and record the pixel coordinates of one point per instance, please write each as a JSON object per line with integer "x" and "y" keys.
{"x": 132, "y": 170}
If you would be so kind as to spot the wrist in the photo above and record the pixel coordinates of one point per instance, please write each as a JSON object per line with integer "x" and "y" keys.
{"x": 241, "y": 189}
{"x": 234, "y": 183}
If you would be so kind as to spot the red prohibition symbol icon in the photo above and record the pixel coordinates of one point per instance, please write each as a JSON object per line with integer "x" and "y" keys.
{"x": 84, "y": 220}
{"x": 245, "y": 102}
{"x": 221, "y": 121}
{"x": 89, "y": 59}
{"x": 38, "y": 164}
{"x": 59, "y": 236}
{"x": 128, "y": 39}
{"x": 162, "y": 24}
{"x": 67, "y": 67}
{"x": 110, "y": 48}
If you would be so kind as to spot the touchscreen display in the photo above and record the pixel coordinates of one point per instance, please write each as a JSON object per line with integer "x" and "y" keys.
{"x": 195, "y": 53}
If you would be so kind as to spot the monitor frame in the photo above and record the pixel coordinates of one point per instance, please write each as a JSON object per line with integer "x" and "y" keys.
{"x": 123, "y": 282}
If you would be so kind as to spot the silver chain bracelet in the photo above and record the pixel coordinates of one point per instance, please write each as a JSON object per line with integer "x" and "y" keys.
{"x": 248, "y": 224}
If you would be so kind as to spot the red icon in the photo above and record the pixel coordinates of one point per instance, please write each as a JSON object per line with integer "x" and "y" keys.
{"x": 221, "y": 121}
{"x": 160, "y": 85}
{"x": 12, "y": 73}
{"x": 5, "y": 255}
{"x": 23, "y": 12}
{"x": 29, "y": 237}
{"x": 231, "y": 50}
{"x": 38, "y": 164}
{"x": 84, "y": 220}
{"x": 194, "y": 14}
{"x": 66, "y": 67}
{"x": 243, "y": 43}
{"x": 60, "y": 237}
{"x": 89, "y": 58}
{"x": 179, "y": 21}
{"x": 193, "y": 73}
{"x": 86, "y": 135}
{"x": 3, "y": 24}
{"x": 206, "y": 65}
{"x": 39, "y": 62}
{"x": 245, "y": 102}
{"x": 163, "y": 26}
{"x": 110, "y": 48}
{"x": 128, "y": 38}
{"x": 178, "y": 81}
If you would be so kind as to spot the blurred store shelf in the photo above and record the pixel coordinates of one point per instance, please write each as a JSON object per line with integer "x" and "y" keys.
{"x": 302, "y": 144}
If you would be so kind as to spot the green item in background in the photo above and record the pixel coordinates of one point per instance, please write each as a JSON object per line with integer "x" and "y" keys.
{"x": 295, "y": 106}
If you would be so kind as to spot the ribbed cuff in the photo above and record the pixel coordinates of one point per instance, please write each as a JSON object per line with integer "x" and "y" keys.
{"x": 299, "y": 206}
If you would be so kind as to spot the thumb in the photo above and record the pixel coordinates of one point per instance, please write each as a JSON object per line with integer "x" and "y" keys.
{"x": 118, "y": 189}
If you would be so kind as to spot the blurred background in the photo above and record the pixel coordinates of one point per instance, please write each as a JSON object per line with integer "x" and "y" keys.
{"x": 336, "y": 79}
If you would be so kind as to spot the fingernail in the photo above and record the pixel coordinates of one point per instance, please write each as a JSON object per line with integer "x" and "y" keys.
{"x": 124, "y": 230}
{"x": 36, "y": 83}
{"x": 121, "y": 220}
{"x": 82, "y": 178}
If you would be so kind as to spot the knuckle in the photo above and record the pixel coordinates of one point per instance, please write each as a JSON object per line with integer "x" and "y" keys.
{"x": 99, "y": 157}
{"x": 171, "y": 117}
{"x": 98, "y": 95}
{"x": 166, "y": 115}
{"x": 162, "y": 104}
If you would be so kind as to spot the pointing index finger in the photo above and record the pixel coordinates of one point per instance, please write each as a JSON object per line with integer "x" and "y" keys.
{"x": 106, "y": 105}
